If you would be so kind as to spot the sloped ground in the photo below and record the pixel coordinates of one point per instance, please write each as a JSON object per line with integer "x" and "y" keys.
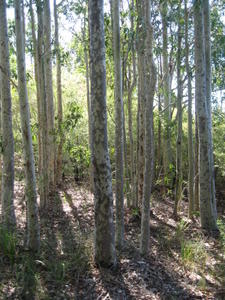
{"x": 183, "y": 263}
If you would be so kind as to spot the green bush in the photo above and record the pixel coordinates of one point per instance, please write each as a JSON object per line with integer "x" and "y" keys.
{"x": 7, "y": 244}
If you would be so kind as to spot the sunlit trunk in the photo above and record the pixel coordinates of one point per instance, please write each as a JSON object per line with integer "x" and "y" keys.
{"x": 33, "y": 238}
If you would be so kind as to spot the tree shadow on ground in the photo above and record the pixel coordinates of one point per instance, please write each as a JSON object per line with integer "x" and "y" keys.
{"x": 65, "y": 268}
{"x": 152, "y": 278}
{"x": 64, "y": 252}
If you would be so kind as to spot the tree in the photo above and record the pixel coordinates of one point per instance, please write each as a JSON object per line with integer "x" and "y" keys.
{"x": 131, "y": 86}
{"x": 44, "y": 182}
{"x": 166, "y": 94}
{"x": 49, "y": 93}
{"x": 207, "y": 208}
{"x": 0, "y": 139}
{"x": 104, "y": 229}
{"x": 33, "y": 239}
{"x": 118, "y": 125}
{"x": 8, "y": 213}
{"x": 58, "y": 175}
{"x": 150, "y": 83}
{"x": 141, "y": 104}
{"x": 190, "y": 133}
{"x": 208, "y": 81}
{"x": 36, "y": 74}
{"x": 179, "y": 174}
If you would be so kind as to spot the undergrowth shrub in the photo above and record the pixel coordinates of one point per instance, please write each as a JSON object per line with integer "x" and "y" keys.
{"x": 192, "y": 251}
{"x": 7, "y": 244}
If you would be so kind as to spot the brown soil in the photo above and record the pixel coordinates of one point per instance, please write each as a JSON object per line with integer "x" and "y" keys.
{"x": 65, "y": 268}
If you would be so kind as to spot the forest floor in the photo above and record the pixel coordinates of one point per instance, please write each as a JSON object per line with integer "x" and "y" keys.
{"x": 183, "y": 263}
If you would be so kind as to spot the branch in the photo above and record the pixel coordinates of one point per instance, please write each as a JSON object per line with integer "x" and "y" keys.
{"x": 12, "y": 81}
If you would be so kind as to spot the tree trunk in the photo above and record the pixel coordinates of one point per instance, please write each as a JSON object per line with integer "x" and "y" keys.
{"x": 208, "y": 78}
{"x": 58, "y": 173}
{"x": 0, "y": 140}
{"x": 179, "y": 175}
{"x": 33, "y": 229}
{"x": 119, "y": 146}
{"x": 150, "y": 83}
{"x": 131, "y": 140}
{"x": 49, "y": 94}
{"x": 35, "y": 52}
{"x": 141, "y": 100}
{"x": 190, "y": 133}
{"x": 8, "y": 213}
{"x": 131, "y": 86}
{"x": 87, "y": 75}
{"x": 207, "y": 210}
{"x": 196, "y": 180}
{"x": 43, "y": 111}
{"x": 104, "y": 228}
{"x": 166, "y": 95}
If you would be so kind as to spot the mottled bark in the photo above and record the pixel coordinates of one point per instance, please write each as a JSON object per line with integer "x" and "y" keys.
{"x": 131, "y": 86}
{"x": 196, "y": 179}
{"x": 0, "y": 139}
{"x": 190, "y": 133}
{"x": 104, "y": 228}
{"x": 118, "y": 126}
{"x": 43, "y": 178}
{"x": 159, "y": 144}
{"x": 207, "y": 211}
{"x": 141, "y": 100}
{"x": 35, "y": 53}
{"x": 49, "y": 94}
{"x": 131, "y": 139}
{"x": 8, "y": 213}
{"x": 137, "y": 150}
{"x": 208, "y": 78}
{"x": 179, "y": 174}
{"x": 87, "y": 76}
{"x": 159, "y": 149}
{"x": 166, "y": 95}
{"x": 33, "y": 238}
{"x": 150, "y": 83}
{"x": 58, "y": 171}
